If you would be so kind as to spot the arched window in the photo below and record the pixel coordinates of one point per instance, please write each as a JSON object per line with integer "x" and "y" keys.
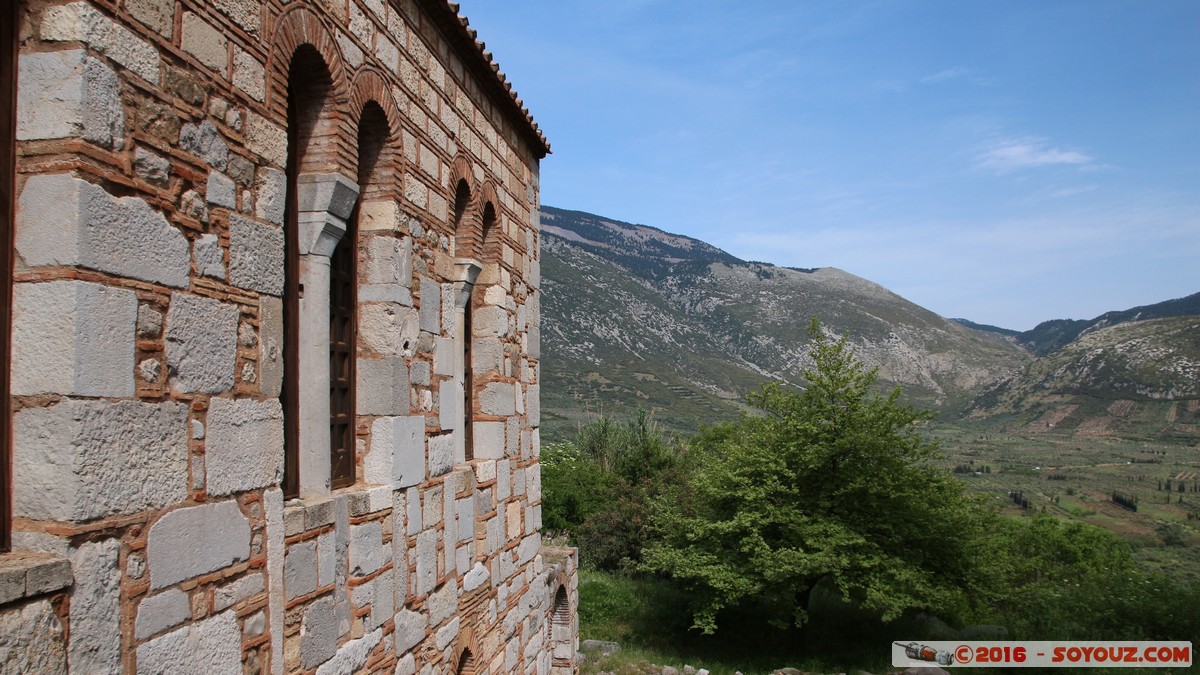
{"x": 462, "y": 199}
{"x": 319, "y": 202}
{"x": 343, "y": 293}
{"x": 8, "y": 161}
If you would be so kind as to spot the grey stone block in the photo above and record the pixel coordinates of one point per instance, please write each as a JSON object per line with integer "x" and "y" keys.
{"x": 201, "y": 343}
{"x": 81, "y": 460}
{"x": 204, "y": 141}
{"x": 300, "y": 569}
{"x": 81, "y": 22}
{"x": 160, "y": 612}
{"x": 151, "y": 167}
{"x": 397, "y": 455}
{"x": 450, "y": 405}
{"x": 33, "y": 639}
{"x": 489, "y": 440}
{"x": 271, "y": 191}
{"x": 497, "y": 398}
{"x": 245, "y": 445}
{"x": 221, "y": 190}
{"x": 352, "y": 656}
{"x": 234, "y": 592}
{"x": 73, "y": 337}
{"x": 64, "y": 220}
{"x": 192, "y": 541}
{"x": 382, "y": 387}
{"x": 410, "y": 630}
{"x": 367, "y": 553}
{"x": 95, "y": 645}
{"x": 67, "y": 94}
{"x": 388, "y": 261}
{"x": 490, "y": 322}
{"x": 270, "y": 345}
{"x": 255, "y": 256}
{"x": 533, "y": 405}
{"x": 431, "y": 306}
{"x": 426, "y": 561}
{"x": 388, "y": 329}
{"x": 208, "y": 256}
{"x": 441, "y": 454}
{"x": 319, "y": 633}
{"x": 213, "y": 645}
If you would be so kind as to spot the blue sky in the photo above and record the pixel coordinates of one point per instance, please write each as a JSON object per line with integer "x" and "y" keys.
{"x": 1007, "y": 162}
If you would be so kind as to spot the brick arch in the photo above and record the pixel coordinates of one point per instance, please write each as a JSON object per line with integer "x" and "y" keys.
{"x": 370, "y": 88}
{"x": 295, "y": 29}
{"x": 467, "y": 657}
{"x": 468, "y": 232}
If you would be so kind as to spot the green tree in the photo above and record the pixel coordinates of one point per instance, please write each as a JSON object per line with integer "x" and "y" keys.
{"x": 832, "y": 482}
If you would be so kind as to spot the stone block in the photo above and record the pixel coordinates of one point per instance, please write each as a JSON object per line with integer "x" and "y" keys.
{"x": 420, "y": 373}
{"x": 497, "y": 398}
{"x": 490, "y": 322}
{"x": 447, "y": 633}
{"x": 270, "y": 194}
{"x": 208, "y": 256}
{"x": 489, "y": 440}
{"x": 397, "y": 456}
{"x": 234, "y": 592}
{"x": 487, "y": 355}
{"x": 266, "y": 139}
{"x": 441, "y": 454}
{"x": 151, "y": 167}
{"x": 213, "y": 645}
{"x": 197, "y": 540}
{"x": 249, "y": 75}
{"x": 318, "y": 633}
{"x": 205, "y": 142}
{"x": 160, "y": 612}
{"x": 393, "y": 293}
{"x": 443, "y": 603}
{"x": 32, "y": 639}
{"x": 158, "y": 15}
{"x": 388, "y": 329}
{"x": 431, "y": 307}
{"x": 244, "y": 450}
{"x": 326, "y": 559}
{"x": 95, "y": 645}
{"x": 256, "y": 258}
{"x": 205, "y": 42}
{"x": 388, "y": 261}
{"x": 450, "y": 405}
{"x": 444, "y": 353}
{"x": 64, "y": 220}
{"x": 367, "y": 553}
{"x": 533, "y": 405}
{"x": 352, "y": 656}
{"x": 81, "y": 460}
{"x": 300, "y": 569}
{"x": 426, "y": 561}
{"x": 382, "y": 386}
{"x": 201, "y": 344}
{"x": 81, "y": 22}
{"x": 221, "y": 190}
{"x": 245, "y": 13}
{"x": 270, "y": 345}
{"x": 410, "y": 630}
{"x": 533, "y": 342}
{"x": 380, "y": 215}
{"x": 73, "y": 337}
{"x": 67, "y": 94}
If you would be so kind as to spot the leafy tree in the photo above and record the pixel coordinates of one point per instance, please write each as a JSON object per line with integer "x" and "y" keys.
{"x": 832, "y": 482}
{"x": 597, "y": 488}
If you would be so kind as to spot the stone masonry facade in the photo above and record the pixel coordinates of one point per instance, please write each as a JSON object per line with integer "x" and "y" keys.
{"x": 274, "y": 368}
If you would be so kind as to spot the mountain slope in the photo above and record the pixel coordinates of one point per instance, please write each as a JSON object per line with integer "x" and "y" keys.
{"x": 638, "y": 316}
{"x": 1136, "y": 375}
{"x": 1050, "y": 335}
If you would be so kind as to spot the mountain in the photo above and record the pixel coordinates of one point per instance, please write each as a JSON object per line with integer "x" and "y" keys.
{"x": 1141, "y": 376}
{"x": 635, "y": 316}
{"x": 1050, "y": 335}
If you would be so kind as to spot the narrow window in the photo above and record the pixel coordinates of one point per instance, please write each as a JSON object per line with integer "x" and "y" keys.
{"x": 8, "y": 165}
{"x": 343, "y": 318}
{"x": 341, "y": 359}
{"x": 308, "y": 85}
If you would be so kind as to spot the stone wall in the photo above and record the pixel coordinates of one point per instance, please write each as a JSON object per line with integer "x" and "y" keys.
{"x": 149, "y": 448}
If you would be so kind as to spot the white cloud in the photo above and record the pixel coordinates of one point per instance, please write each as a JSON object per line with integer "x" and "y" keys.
{"x": 947, "y": 74}
{"x": 1015, "y": 154}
